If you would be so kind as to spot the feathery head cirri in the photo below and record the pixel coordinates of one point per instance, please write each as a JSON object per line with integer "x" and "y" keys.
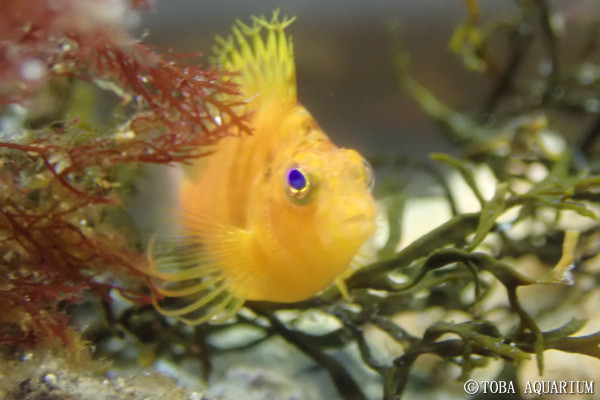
{"x": 277, "y": 215}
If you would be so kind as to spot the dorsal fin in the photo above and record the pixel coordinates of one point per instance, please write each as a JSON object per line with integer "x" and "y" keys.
{"x": 265, "y": 63}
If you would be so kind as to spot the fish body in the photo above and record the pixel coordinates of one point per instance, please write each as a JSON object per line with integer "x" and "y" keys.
{"x": 277, "y": 215}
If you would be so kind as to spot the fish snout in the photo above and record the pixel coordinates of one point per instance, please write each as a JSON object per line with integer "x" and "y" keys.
{"x": 351, "y": 223}
{"x": 358, "y": 226}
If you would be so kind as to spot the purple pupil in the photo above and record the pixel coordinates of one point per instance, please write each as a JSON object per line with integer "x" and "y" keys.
{"x": 296, "y": 179}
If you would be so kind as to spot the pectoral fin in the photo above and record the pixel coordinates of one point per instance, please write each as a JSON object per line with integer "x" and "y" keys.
{"x": 201, "y": 275}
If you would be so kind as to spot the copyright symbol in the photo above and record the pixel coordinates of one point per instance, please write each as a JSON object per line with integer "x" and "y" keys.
{"x": 471, "y": 386}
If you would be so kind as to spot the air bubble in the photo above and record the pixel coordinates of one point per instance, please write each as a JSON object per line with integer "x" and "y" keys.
{"x": 32, "y": 70}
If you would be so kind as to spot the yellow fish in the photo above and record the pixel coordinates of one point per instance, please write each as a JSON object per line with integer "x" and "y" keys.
{"x": 277, "y": 215}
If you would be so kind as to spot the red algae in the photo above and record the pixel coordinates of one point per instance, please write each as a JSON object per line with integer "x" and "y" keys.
{"x": 57, "y": 182}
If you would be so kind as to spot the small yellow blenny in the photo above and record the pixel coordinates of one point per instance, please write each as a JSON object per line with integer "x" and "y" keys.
{"x": 277, "y": 215}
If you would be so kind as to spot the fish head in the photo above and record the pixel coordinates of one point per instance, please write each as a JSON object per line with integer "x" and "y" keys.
{"x": 344, "y": 209}
{"x": 318, "y": 202}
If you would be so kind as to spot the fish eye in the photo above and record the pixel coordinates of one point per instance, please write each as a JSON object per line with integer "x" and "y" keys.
{"x": 369, "y": 174}
{"x": 297, "y": 183}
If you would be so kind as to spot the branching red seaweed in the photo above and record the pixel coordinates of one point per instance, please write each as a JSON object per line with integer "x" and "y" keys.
{"x": 57, "y": 182}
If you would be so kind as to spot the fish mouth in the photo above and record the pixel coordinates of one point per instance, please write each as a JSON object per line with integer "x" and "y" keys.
{"x": 350, "y": 233}
{"x": 357, "y": 225}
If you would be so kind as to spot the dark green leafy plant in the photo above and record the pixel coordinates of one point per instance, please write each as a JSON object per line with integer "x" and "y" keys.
{"x": 59, "y": 182}
{"x": 459, "y": 264}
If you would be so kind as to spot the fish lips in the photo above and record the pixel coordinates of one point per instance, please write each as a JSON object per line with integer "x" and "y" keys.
{"x": 352, "y": 231}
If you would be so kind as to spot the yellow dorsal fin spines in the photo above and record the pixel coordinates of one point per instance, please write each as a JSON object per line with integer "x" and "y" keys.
{"x": 264, "y": 63}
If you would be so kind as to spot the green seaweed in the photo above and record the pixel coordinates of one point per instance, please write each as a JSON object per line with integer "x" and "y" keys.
{"x": 62, "y": 234}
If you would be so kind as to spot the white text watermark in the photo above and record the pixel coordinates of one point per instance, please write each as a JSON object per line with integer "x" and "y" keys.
{"x": 535, "y": 388}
